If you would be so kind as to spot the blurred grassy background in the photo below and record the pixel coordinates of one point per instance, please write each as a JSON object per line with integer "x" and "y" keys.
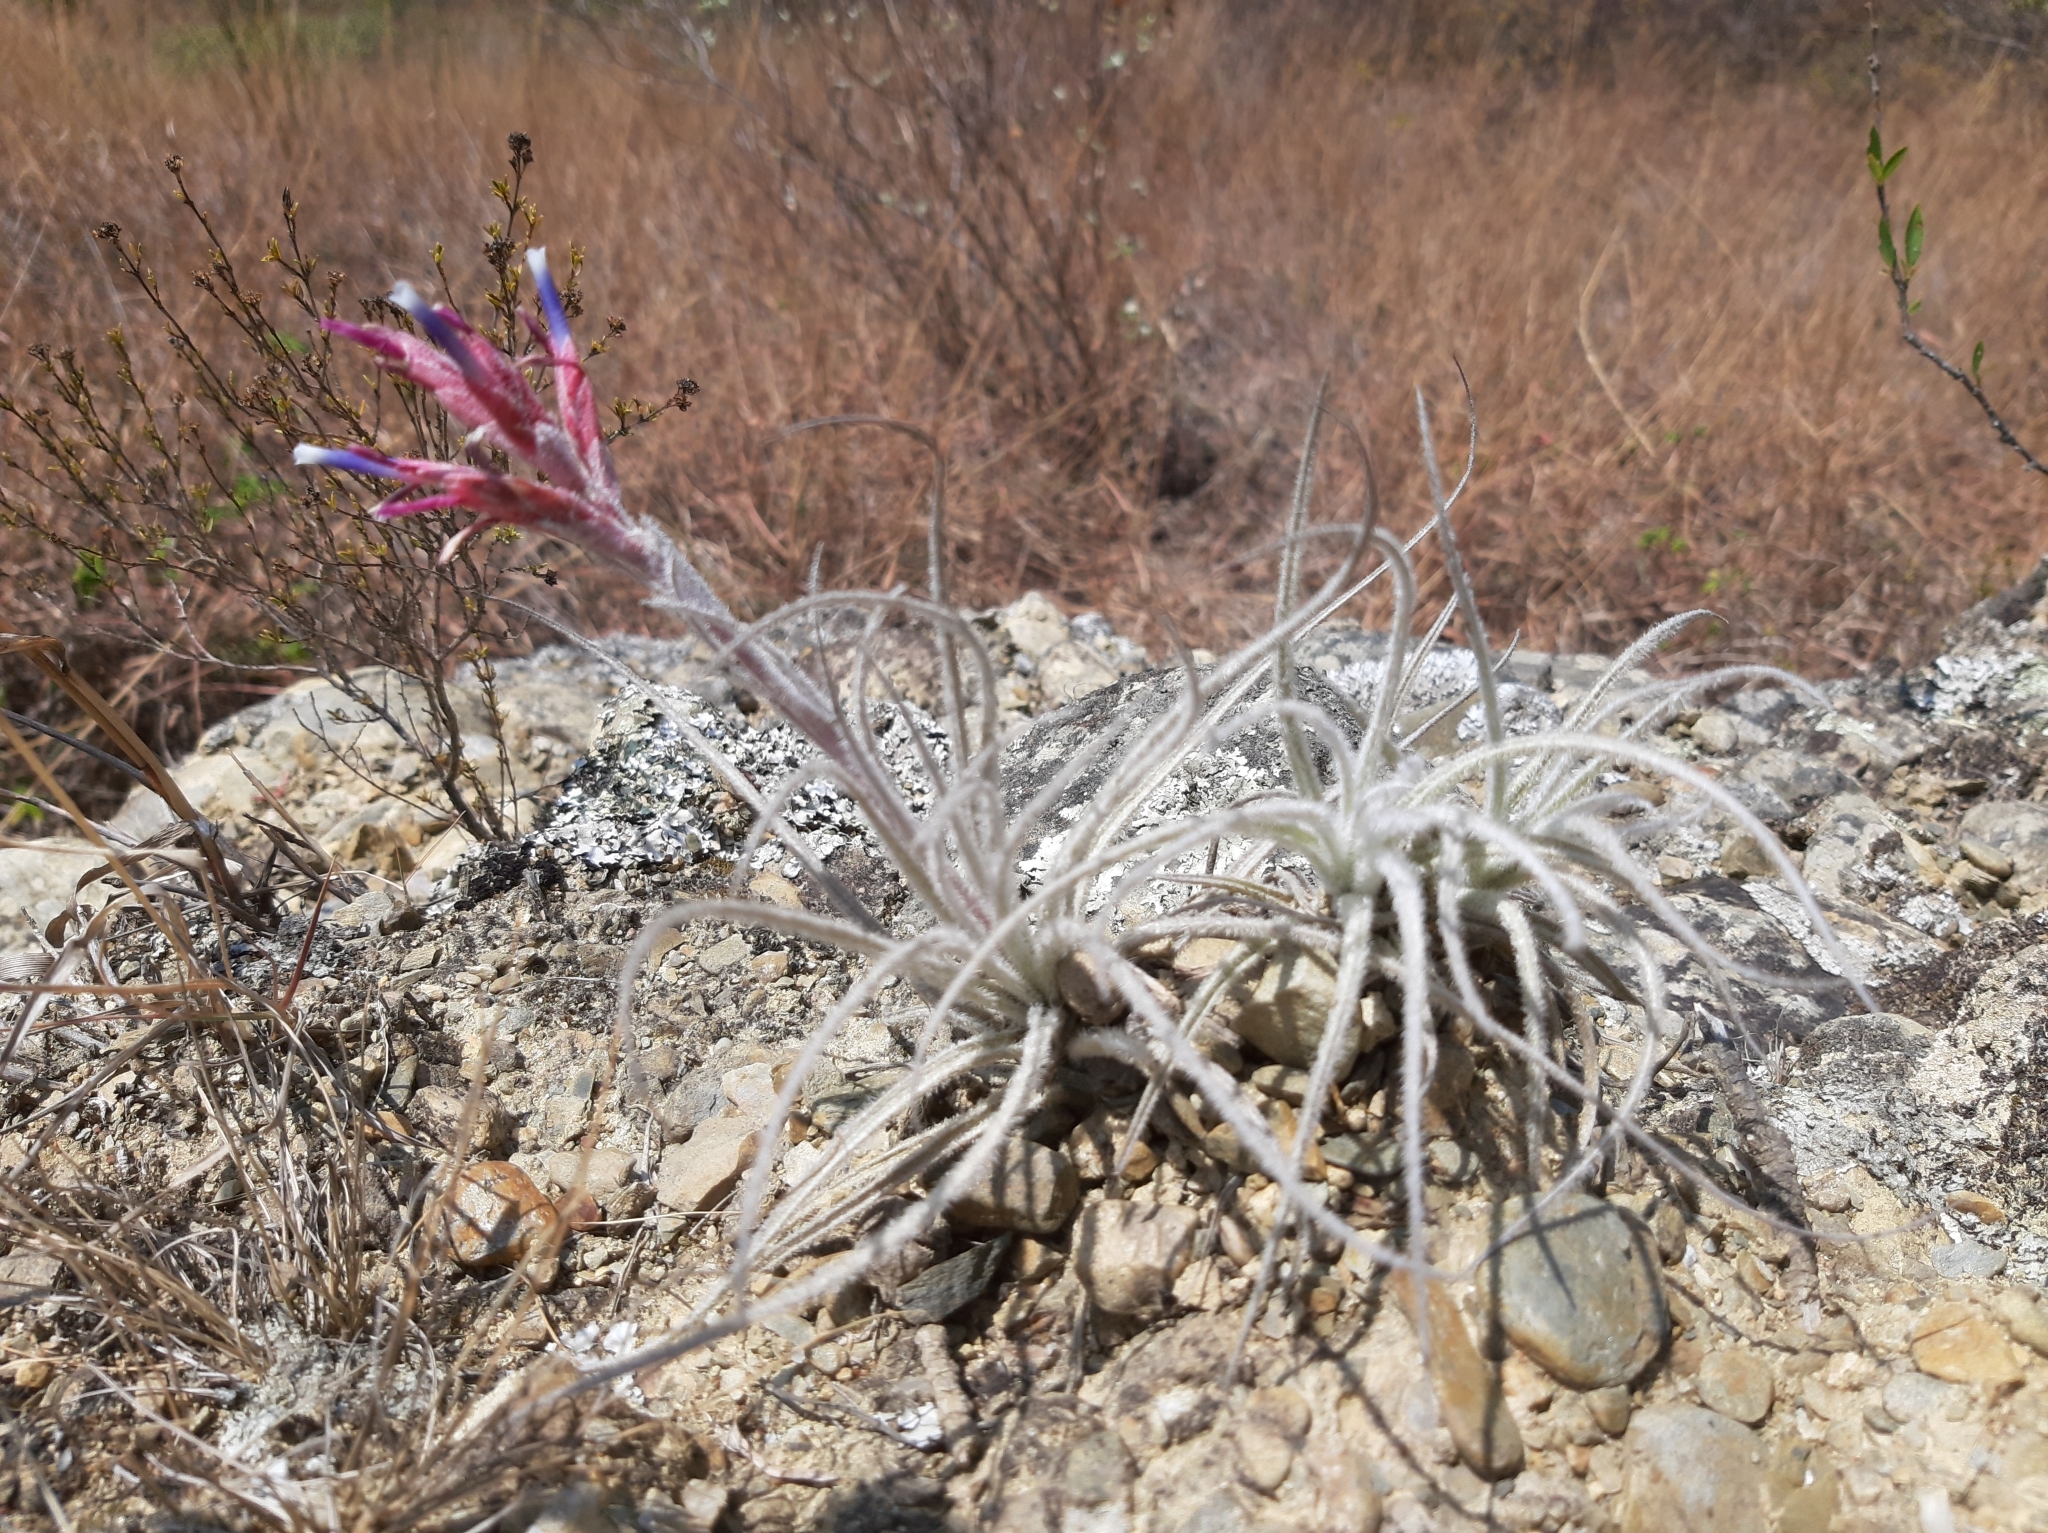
{"x": 1106, "y": 251}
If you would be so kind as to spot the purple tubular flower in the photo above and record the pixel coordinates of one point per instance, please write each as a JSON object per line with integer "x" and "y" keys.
{"x": 365, "y": 461}
{"x": 490, "y": 393}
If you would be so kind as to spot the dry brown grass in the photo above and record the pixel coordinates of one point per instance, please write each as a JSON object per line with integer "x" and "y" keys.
{"x": 1279, "y": 192}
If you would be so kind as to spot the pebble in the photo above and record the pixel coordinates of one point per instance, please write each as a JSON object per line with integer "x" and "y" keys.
{"x": 1977, "y": 1206}
{"x": 1610, "y": 1409}
{"x": 1127, "y": 1255}
{"x": 1692, "y": 1469}
{"x": 952, "y": 1284}
{"x": 1581, "y": 1295}
{"x": 1263, "y": 1456}
{"x": 1282, "y": 1007}
{"x": 1027, "y": 1187}
{"x": 699, "y": 1173}
{"x": 1987, "y": 859}
{"x": 1958, "y": 1343}
{"x": 1372, "y": 1159}
{"x": 2025, "y": 1316}
{"x": 1468, "y": 1395}
{"x": 1094, "y": 1144}
{"x": 1968, "y": 1259}
{"x": 1285, "y": 1410}
{"x": 28, "y": 1275}
{"x": 607, "y": 1171}
{"x": 576, "y": 1508}
{"x": 1909, "y": 1396}
{"x": 435, "y": 1113}
{"x": 1737, "y": 1384}
{"x": 1098, "y": 1471}
{"x": 1715, "y": 733}
{"x": 1743, "y": 856}
{"x": 495, "y": 1214}
{"x": 1347, "y": 1497}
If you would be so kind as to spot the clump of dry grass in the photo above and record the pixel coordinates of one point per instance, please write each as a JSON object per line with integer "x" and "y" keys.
{"x": 1658, "y": 272}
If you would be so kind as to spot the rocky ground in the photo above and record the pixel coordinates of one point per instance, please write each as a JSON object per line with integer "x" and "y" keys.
{"x": 1651, "y": 1358}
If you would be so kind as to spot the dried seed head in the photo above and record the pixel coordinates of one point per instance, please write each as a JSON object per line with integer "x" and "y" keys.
{"x": 106, "y": 231}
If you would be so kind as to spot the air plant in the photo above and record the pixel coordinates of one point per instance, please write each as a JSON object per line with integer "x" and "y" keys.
{"x": 1400, "y": 869}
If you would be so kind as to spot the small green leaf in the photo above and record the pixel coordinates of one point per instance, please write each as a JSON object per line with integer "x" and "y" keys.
{"x": 1913, "y": 308}
{"x": 1977, "y": 363}
{"x": 89, "y": 577}
{"x": 1916, "y": 236}
{"x": 1875, "y": 153}
{"x": 1890, "y": 165}
{"x": 1886, "y": 251}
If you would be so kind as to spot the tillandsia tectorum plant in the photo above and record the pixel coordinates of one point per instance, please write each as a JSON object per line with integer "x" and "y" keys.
{"x": 1403, "y": 875}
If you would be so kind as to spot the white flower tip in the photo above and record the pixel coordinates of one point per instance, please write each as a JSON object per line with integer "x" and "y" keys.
{"x": 407, "y": 297}
{"x": 306, "y": 455}
{"x": 537, "y": 262}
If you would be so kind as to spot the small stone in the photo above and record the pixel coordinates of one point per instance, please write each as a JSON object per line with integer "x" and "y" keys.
{"x": 721, "y": 956}
{"x": 27, "y": 1276}
{"x": 1743, "y": 856}
{"x": 1909, "y": 1396}
{"x": 1694, "y": 1470}
{"x": 1468, "y": 1395}
{"x": 1281, "y": 1005}
{"x": 1098, "y": 1471}
{"x": 606, "y": 1172}
{"x": 772, "y": 964}
{"x": 1675, "y": 870}
{"x": 952, "y": 1284}
{"x": 1754, "y": 1275}
{"x": 1027, "y": 1187}
{"x": 1715, "y": 732}
{"x": 1032, "y": 1259}
{"x": 1667, "y": 1228}
{"x": 1580, "y": 1294}
{"x": 1088, "y": 992}
{"x": 1369, "y": 1159}
{"x": 1987, "y": 859}
{"x": 576, "y": 1508}
{"x": 495, "y": 1215}
{"x": 1830, "y": 1197}
{"x": 750, "y": 1091}
{"x": 1096, "y": 1142}
{"x": 1968, "y": 1259}
{"x": 1285, "y": 1410}
{"x": 2025, "y": 1316}
{"x": 699, "y": 1173}
{"x": 1957, "y": 1343}
{"x": 1977, "y": 1206}
{"x": 423, "y": 957}
{"x": 30, "y": 1374}
{"x": 1263, "y": 1456}
{"x": 1737, "y": 1384}
{"x": 1127, "y": 1255}
{"x": 1347, "y": 1497}
{"x": 1202, "y": 1284}
{"x": 435, "y": 1113}
{"x": 1282, "y": 1082}
{"x": 1610, "y": 1408}
{"x": 1451, "y": 1163}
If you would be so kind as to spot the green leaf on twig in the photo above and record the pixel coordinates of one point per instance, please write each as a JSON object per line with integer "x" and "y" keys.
{"x": 1890, "y": 165}
{"x": 1977, "y": 363}
{"x": 1916, "y": 236}
{"x": 1886, "y": 251}
{"x": 88, "y": 577}
{"x": 1874, "y": 157}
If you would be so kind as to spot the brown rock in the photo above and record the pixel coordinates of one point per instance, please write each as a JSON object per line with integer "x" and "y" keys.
{"x": 1692, "y": 1471}
{"x": 495, "y": 1215}
{"x": 697, "y": 1174}
{"x": 2025, "y": 1316}
{"x": 1263, "y": 1456}
{"x": 1468, "y": 1395}
{"x": 1281, "y": 1006}
{"x": 1127, "y": 1255}
{"x": 1737, "y": 1384}
{"x": 1958, "y": 1343}
{"x": 1977, "y": 1206}
{"x": 1028, "y": 1188}
{"x": 435, "y": 1113}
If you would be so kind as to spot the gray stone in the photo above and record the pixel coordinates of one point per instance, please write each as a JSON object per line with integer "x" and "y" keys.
{"x": 2024, "y": 1316}
{"x": 27, "y": 1276}
{"x": 577, "y": 1508}
{"x": 721, "y": 956}
{"x": 1692, "y": 1471}
{"x": 1028, "y": 1187}
{"x": 2017, "y": 831}
{"x": 1968, "y": 1259}
{"x": 697, "y": 1175}
{"x": 1910, "y": 1395}
{"x": 1098, "y": 1470}
{"x": 1281, "y": 1007}
{"x": 1986, "y": 859}
{"x": 1715, "y": 733}
{"x": 1375, "y": 1159}
{"x": 606, "y": 1172}
{"x": 1737, "y": 1384}
{"x": 1782, "y": 784}
{"x": 1580, "y": 1292}
{"x": 949, "y": 1285}
{"x": 690, "y": 1101}
{"x": 1128, "y": 1254}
